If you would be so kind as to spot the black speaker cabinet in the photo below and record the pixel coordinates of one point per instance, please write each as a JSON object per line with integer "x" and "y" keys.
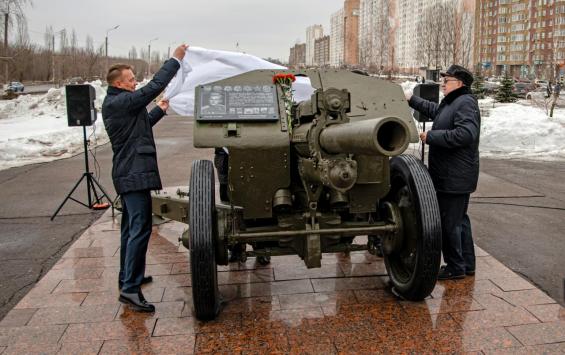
{"x": 429, "y": 92}
{"x": 80, "y": 105}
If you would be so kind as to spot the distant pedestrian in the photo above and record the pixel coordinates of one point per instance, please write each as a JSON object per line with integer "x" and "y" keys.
{"x": 134, "y": 166}
{"x": 453, "y": 165}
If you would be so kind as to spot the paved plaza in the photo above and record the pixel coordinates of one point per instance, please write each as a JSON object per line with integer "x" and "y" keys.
{"x": 343, "y": 307}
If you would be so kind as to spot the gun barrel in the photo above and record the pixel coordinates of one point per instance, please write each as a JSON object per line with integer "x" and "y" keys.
{"x": 387, "y": 136}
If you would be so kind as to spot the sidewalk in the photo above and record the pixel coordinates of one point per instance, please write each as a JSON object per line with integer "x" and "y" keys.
{"x": 342, "y": 307}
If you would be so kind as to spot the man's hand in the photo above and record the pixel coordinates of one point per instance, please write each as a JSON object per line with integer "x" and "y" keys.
{"x": 180, "y": 51}
{"x": 408, "y": 95}
{"x": 163, "y": 104}
{"x": 423, "y": 136}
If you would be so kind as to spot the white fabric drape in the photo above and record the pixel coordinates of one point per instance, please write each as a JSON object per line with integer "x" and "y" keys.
{"x": 201, "y": 66}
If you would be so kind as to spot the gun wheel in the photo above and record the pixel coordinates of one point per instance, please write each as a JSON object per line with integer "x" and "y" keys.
{"x": 203, "y": 235}
{"x": 413, "y": 258}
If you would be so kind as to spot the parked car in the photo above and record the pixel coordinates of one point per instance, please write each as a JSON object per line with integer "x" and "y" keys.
{"x": 537, "y": 94}
{"x": 491, "y": 87}
{"x": 542, "y": 83}
{"x": 522, "y": 88}
{"x": 540, "y": 94}
{"x": 15, "y": 86}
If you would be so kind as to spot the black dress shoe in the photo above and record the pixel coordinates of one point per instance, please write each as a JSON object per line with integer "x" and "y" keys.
{"x": 136, "y": 301}
{"x": 146, "y": 280}
{"x": 446, "y": 274}
{"x": 470, "y": 272}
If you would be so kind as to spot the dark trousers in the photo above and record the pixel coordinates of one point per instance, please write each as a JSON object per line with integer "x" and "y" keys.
{"x": 457, "y": 239}
{"x": 467, "y": 245}
{"x": 135, "y": 233}
{"x": 221, "y": 161}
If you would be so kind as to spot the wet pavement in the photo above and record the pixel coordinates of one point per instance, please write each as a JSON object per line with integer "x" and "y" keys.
{"x": 343, "y": 307}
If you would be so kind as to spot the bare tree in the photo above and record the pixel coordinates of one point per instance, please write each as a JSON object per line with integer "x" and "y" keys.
{"x": 428, "y": 39}
{"x": 381, "y": 39}
{"x": 466, "y": 39}
{"x": 13, "y": 10}
{"x": 446, "y": 14}
{"x": 132, "y": 55}
{"x": 63, "y": 41}
{"x": 48, "y": 38}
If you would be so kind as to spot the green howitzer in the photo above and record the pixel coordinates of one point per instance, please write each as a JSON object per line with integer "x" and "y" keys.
{"x": 324, "y": 175}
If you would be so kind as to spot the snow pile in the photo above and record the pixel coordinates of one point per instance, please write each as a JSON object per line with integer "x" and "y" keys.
{"x": 34, "y": 128}
{"x": 514, "y": 130}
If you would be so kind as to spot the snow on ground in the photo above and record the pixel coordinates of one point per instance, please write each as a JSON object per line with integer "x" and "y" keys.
{"x": 33, "y": 129}
{"x": 521, "y": 130}
{"x": 516, "y": 130}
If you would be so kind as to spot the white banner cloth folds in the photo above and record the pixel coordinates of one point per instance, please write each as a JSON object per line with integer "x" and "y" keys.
{"x": 208, "y": 66}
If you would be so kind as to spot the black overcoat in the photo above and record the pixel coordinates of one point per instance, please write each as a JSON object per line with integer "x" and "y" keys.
{"x": 129, "y": 127}
{"x": 453, "y": 140}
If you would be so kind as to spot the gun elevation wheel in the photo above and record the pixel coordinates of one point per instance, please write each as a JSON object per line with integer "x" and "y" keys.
{"x": 203, "y": 235}
{"x": 413, "y": 256}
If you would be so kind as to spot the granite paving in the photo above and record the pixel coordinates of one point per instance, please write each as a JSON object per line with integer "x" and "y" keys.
{"x": 344, "y": 307}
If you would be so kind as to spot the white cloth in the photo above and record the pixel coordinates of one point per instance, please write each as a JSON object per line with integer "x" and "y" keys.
{"x": 205, "y": 66}
{"x": 175, "y": 86}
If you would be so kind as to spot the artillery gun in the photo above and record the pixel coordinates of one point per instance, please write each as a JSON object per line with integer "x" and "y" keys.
{"x": 308, "y": 180}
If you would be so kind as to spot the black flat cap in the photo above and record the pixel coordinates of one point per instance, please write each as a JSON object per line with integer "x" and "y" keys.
{"x": 460, "y": 73}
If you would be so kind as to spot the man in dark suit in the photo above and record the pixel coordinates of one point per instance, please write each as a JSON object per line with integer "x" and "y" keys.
{"x": 134, "y": 166}
{"x": 453, "y": 165}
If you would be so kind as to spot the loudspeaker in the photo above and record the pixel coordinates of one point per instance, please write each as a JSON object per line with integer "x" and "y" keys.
{"x": 429, "y": 92}
{"x": 80, "y": 105}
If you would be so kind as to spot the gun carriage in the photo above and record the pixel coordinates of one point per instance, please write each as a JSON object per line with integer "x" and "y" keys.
{"x": 307, "y": 180}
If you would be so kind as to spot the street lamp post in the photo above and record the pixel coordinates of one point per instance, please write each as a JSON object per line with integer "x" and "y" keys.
{"x": 106, "y": 45}
{"x": 169, "y": 50}
{"x": 53, "y": 53}
{"x": 149, "y": 54}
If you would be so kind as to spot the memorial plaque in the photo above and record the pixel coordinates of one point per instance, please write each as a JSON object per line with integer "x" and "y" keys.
{"x": 238, "y": 103}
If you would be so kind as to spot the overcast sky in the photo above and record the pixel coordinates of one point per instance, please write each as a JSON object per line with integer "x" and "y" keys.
{"x": 265, "y": 28}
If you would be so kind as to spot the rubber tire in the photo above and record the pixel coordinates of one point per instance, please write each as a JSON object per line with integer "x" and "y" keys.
{"x": 202, "y": 226}
{"x": 407, "y": 171}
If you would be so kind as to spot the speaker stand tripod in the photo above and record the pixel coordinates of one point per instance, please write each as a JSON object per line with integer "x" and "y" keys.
{"x": 91, "y": 184}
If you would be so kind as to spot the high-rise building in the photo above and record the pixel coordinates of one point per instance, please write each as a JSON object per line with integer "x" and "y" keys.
{"x": 410, "y": 14}
{"x": 322, "y": 51}
{"x": 376, "y": 34}
{"x": 312, "y": 34}
{"x": 433, "y": 34}
{"x": 520, "y": 37}
{"x": 297, "y": 56}
{"x": 351, "y": 32}
{"x": 336, "y": 39}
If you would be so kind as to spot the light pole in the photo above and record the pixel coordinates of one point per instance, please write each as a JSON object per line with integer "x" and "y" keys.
{"x": 169, "y": 50}
{"x": 149, "y": 54}
{"x": 53, "y": 59}
{"x": 106, "y": 45}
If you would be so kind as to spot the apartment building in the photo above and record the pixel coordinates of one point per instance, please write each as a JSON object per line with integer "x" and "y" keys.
{"x": 351, "y": 32}
{"x": 312, "y": 34}
{"x": 297, "y": 58}
{"x": 337, "y": 39}
{"x": 409, "y": 13}
{"x": 322, "y": 51}
{"x": 377, "y": 34}
{"x": 524, "y": 38}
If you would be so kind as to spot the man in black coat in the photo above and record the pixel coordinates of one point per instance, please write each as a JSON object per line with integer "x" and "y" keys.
{"x": 453, "y": 165}
{"x": 134, "y": 166}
